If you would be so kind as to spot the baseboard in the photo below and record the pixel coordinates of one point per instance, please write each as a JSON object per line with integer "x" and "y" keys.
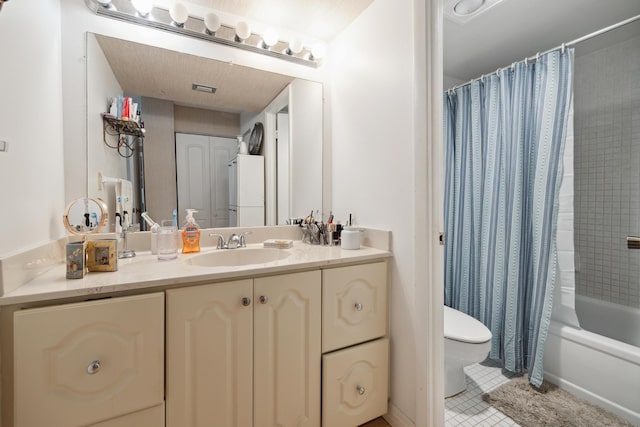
{"x": 594, "y": 398}
{"x": 397, "y": 418}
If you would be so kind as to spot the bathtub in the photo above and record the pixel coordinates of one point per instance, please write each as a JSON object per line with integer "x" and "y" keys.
{"x": 615, "y": 321}
{"x": 596, "y": 368}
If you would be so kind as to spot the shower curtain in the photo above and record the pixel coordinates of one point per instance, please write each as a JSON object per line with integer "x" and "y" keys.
{"x": 504, "y": 141}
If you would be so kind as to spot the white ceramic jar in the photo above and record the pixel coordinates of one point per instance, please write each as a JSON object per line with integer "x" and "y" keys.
{"x": 351, "y": 238}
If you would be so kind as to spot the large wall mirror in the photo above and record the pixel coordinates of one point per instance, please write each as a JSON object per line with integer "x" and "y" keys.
{"x": 190, "y": 136}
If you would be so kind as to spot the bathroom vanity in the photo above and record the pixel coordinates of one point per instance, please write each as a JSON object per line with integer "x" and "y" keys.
{"x": 296, "y": 337}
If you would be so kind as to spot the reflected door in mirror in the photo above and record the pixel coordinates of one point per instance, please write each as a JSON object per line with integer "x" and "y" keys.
{"x": 202, "y": 177}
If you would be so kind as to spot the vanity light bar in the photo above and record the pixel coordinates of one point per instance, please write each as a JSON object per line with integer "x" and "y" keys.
{"x": 158, "y": 18}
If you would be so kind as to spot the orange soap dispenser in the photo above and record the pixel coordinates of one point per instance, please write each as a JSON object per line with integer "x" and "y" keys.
{"x": 190, "y": 234}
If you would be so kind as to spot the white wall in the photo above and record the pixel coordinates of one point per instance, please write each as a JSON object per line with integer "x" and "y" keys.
{"x": 31, "y": 171}
{"x": 370, "y": 91}
{"x": 448, "y": 82}
{"x": 305, "y": 139}
{"x": 101, "y": 87}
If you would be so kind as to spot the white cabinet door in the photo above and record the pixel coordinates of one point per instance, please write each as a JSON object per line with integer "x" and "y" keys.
{"x": 250, "y": 180}
{"x": 354, "y": 305}
{"x": 82, "y": 363}
{"x": 209, "y": 355}
{"x": 152, "y": 417}
{"x": 287, "y": 358}
{"x": 355, "y": 384}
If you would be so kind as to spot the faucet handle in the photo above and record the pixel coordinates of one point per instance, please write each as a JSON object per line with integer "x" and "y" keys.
{"x": 234, "y": 241}
{"x": 243, "y": 242}
{"x": 221, "y": 242}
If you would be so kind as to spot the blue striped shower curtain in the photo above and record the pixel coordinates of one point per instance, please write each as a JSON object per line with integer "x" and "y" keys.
{"x": 504, "y": 137}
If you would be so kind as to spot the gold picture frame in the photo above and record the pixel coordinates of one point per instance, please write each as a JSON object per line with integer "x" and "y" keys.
{"x": 102, "y": 255}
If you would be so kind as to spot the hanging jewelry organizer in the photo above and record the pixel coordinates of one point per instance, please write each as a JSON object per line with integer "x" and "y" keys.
{"x": 120, "y": 129}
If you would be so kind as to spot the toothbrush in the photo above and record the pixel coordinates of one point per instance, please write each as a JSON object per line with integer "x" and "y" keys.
{"x": 148, "y": 219}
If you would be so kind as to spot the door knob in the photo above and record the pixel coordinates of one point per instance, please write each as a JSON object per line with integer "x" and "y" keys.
{"x": 246, "y": 301}
{"x": 93, "y": 367}
{"x": 360, "y": 389}
{"x": 359, "y": 306}
{"x": 264, "y": 299}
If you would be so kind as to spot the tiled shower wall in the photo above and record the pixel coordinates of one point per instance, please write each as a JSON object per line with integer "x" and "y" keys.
{"x": 607, "y": 173}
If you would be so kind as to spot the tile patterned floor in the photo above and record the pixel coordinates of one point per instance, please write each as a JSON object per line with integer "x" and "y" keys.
{"x": 468, "y": 409}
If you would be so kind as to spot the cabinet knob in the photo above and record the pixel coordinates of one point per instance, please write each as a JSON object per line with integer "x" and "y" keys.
{"x": 93, "y": 367}
{"x": 359, "y": 306}
{"x": 360, "y": 389}
{"x": 246, "y": 301}
{"x": 264, "y": 299}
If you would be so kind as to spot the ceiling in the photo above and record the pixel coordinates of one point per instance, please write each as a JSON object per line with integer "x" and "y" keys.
{"x": 238, "y": 88}
{"x": 515, "y": 29}
{"x": 318, "y": 19}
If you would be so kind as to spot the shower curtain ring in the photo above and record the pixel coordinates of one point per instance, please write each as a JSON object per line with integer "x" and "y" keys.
{"x": 564, "y": 45}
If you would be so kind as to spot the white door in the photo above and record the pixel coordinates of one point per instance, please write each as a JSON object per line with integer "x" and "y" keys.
{"x": 203, "y": 179}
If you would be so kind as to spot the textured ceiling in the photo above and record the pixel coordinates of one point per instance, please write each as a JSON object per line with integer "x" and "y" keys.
{"x": 238, "y": 88}
{"x": 515, "y": 29}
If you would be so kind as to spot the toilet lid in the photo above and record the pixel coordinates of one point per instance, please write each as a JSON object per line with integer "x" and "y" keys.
{"x": 462, "y": 327}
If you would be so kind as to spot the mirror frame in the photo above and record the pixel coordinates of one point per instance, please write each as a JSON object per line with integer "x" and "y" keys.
{"x": 104, "y": 217}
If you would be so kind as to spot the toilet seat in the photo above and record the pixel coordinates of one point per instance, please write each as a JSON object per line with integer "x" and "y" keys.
{"x": 459, "y": 326}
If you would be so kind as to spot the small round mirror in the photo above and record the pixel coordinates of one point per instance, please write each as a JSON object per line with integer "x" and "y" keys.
{"x": 85, "y": 216}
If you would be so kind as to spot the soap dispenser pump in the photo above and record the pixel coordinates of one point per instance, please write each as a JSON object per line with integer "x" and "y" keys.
{"x": 190, "y": 234}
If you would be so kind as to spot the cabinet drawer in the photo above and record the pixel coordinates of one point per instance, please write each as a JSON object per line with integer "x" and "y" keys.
{"x": 81, "y": 363}
{"x": 355, "y": 384}
{"x": 354, "y": 305}
{"x": 152, "y": 417}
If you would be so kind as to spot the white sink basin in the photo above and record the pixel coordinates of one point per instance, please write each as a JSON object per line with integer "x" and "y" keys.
{"x": 237, "y": 257}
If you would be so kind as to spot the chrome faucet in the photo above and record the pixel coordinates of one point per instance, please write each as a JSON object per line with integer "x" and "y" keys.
{"x": 235, "y": 240}
{"x": 221, "y": 243}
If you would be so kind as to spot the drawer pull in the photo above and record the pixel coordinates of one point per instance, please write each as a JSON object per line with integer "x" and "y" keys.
{"x": 264, "y": 299}
{"x": 246, "y": 301}
{"x": 93, "y": 367}
{"x": 359, "y": 306}
{"x": 360, "y": 390}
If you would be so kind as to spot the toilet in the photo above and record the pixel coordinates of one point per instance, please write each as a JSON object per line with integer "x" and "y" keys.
{"x": 466, "y": 341}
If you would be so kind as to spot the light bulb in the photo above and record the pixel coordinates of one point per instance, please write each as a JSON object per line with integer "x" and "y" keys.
{"x": 468, "y": 7}
{"x": 179, "y": 13}
{"x": 212, "y": 23}
{"x": 243, "y": 31}
{"x": 318, "y": 51}
{"x": 295, "y": 46}
{"x": 143, "y": 6}
{"x": 269, "y": 38}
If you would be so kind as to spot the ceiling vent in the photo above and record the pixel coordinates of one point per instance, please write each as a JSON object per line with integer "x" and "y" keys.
{"x": 463, "y": 11}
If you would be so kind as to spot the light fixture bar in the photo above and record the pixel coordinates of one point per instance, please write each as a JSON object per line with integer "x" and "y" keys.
{"x": 158, "y": 18}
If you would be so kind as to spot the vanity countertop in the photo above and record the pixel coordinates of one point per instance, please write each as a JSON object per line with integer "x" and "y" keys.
{"x": 146, "y": 271}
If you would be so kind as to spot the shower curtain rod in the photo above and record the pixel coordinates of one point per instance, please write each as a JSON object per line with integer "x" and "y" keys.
{"x": 562, "y": 46}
